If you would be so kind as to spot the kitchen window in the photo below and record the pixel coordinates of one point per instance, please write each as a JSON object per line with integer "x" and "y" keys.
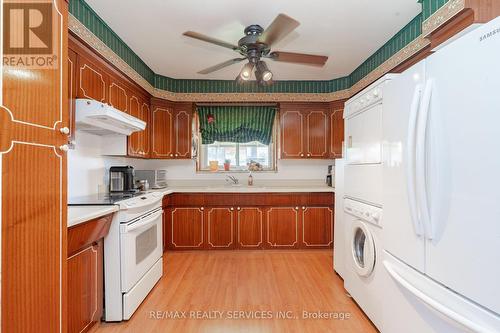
{"x": 238, "y": 136}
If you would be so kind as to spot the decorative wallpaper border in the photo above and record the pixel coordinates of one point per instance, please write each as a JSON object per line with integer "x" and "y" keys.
{"x": 442, "y": 15}
{"x": 93, "y": 41}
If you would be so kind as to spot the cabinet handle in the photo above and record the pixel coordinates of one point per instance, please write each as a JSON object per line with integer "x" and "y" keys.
{"x": 64, "y": 130}
{"x": 303, "y": 208}
{"x": 171, "y": 155}
{"x": 238, "y": 208}
{"x": 296, "y": 208}
{"x": 202, "y": 208}
{"x": 176, "y": 155}
{"x": 64, "y": 147}
{"x": 301, "y": 154}
{"x": 232, "y": 208}
{"x": 308, "y": 155}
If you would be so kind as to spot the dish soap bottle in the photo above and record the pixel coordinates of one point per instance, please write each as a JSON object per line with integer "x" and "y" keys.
{"x": 250, "y": 179}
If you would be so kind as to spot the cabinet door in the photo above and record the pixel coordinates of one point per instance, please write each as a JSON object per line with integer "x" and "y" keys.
{"x": 183, "y": 131}
{"x": 118, "y": 95}
{"x": 85, "y": 286}
{"x": 162, "y": 132}
{"x": 317, "y": 227}
{"x": 134, "y": 140}
{"x": 144, "y": 135}
{"x": 186, "y": 229}
{"x": 316, "y": 134}
{"x": 249, "y": 229}
{"x": 92, "y": 80}
{"x": 220, "y": 228}
{"x": 336, "y": 133}
{"x": 292, "y": 134}
{"x": 283, "y": 227}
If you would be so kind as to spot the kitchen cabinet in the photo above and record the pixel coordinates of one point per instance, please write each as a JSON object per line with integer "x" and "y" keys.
{"x": 33, "y": 181}
{"x": 85, "y": 273}
{"x": 139, "y": 142}
{"x": 162, "y": 129}
{"x": 93, "y": 81}
{"x": 282, "y": 227}
{"x": 305, "y": 130}
{"x": 216, "y": 221}
{"x": 118, "y": 95}
{"x": 317, "y": 227}
{"x": 250, "y": 227}
{"x": 186, "y": 228}
{"x": 220, "y": 227}
{"x": 336, "y": 129}
{"x": 171, "y": 129}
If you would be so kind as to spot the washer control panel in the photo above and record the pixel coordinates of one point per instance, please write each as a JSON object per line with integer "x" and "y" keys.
{"x": 365, "y": 212}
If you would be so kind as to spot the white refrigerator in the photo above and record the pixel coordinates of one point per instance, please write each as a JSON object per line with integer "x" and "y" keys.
{"x": 441, "y": 183}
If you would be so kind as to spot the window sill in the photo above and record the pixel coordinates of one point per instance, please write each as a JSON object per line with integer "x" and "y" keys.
{"x": 235, "y": 171}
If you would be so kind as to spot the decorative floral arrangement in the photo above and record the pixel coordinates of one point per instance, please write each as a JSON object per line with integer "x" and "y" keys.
{"x": 255, "y": 166}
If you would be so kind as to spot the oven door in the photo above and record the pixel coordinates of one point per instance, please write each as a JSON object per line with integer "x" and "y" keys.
{"x": 140, "y": 247}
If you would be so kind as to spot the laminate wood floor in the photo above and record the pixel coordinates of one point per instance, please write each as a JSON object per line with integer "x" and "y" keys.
{"x": 250, "y": 289}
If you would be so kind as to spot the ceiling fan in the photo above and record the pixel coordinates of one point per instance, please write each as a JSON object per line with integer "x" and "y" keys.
{"x": 256, "y": 44}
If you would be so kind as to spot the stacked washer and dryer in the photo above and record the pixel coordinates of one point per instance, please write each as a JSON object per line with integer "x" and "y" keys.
{"x": 363, "y": 212}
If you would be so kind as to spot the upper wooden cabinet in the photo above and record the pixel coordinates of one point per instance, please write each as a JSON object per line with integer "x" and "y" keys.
{"x": 170, "y": 129}
{"x": 118, "y": 95}
{"x": 336, "y": 128}
{"x": 93, "y": 81}
{"x": 305, "y": 129}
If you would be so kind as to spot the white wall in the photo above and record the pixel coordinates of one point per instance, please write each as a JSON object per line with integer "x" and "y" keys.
{"x": 87, "y": 168}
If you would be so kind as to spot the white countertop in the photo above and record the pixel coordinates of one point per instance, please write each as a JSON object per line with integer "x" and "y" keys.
{"x": 80, "y": 214}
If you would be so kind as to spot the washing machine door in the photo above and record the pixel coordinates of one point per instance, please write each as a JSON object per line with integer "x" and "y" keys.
{"x": 362, "y": 248}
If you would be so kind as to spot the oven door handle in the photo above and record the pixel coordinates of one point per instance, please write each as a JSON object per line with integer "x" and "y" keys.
{"x": 142, "y": 223}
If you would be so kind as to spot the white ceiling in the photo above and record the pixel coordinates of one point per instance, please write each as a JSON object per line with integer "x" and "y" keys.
{"x": 348, "y": 31}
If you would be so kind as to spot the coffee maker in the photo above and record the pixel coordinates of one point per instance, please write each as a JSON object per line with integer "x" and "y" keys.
{"x": 121, "y": 179}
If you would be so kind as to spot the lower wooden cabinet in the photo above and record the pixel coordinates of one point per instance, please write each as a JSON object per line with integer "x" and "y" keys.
{"x": 282, "y": 227}
{"x": 317, "y": 227}
{"x": 85, "y": 288}
{"x": 85, "y": 273}
{"x": 185, "y": 228}
{"x": 277, "y": 225}
{"x": 220, "y": 227}
{"x": 249, "y": 227}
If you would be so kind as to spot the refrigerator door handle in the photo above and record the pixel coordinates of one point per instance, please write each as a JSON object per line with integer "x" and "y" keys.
{"x": 410, "y": 170}
{"x": 421, "y": 184}
{"x": 432, "y": 303}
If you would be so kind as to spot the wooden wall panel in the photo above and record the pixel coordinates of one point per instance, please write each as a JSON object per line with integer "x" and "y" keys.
{"x": 34, "y": 107}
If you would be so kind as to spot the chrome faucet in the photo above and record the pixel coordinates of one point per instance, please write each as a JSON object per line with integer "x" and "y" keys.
{"x": 232, "y": 179}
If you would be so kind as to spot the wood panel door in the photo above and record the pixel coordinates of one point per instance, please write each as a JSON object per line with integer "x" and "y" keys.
{"x": 250, "y": 227}
{"x": 134, "y": 140}
{"x": 33, "y": 217}
{"x": 336, "y": 129}
{"x": 220, "y": 228}
{"x": 162, "y": 132}
{"x": 85, "y": 288}
{"x": 144, "y": 135}
{"x": 283, "y": 227}
{"x": 118, "y": 95}
{"x": 316, "y": 134}
{"x": 317, "y": 227}
{"x": 186, "y": 228}
{"x": 292, "y": 133}
{"x": 183, "y": 116}
{"x": 93, "y": 81}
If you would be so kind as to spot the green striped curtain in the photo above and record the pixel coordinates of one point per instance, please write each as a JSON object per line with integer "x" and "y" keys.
{"x": 236, "y": 123}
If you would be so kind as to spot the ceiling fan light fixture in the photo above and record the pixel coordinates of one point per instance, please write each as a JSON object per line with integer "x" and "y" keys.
{"x": 246, "y": 71}
{"x": 262, "y": 72}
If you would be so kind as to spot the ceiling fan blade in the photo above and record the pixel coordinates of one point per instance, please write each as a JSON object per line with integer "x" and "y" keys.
{"x": 221, "y": 65}
{"x": 279, "y": 28}
{"x": 299, "y": 58}
{"x": 211, "y": 40}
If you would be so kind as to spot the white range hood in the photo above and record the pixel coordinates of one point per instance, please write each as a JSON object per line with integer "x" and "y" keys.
{"x": 102, "y": 119}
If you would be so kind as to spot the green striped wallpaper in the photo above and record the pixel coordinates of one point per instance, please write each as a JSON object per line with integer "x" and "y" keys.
{"x": 82, "y": 11}
{"x": 430, "y": 6}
